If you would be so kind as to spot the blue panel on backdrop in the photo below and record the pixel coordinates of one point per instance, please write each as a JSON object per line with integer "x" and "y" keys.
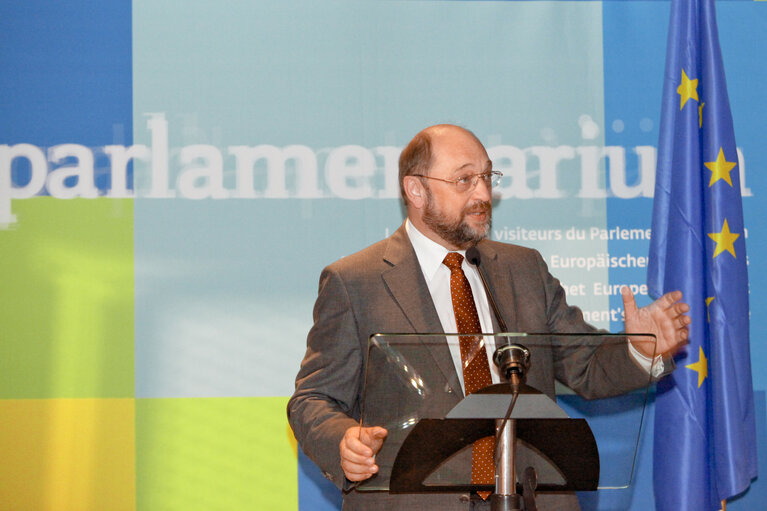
{"x": 314, "y": 491}
{"x": 756, "y": 495}
{"x": 634, "y": 51}
{"x": 622, "y": 499}
{"x": 74, "y": 85}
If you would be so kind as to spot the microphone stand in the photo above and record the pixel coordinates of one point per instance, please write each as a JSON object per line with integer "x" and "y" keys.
{"x": 514, "y": 361}
{"x": 505, "y": 497}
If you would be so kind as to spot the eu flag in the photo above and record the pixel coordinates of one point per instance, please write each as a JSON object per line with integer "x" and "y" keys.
{"x": 705, "y": 433}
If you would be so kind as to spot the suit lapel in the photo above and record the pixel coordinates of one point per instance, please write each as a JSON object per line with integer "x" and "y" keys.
{"x": 500, "y": 280}
{"x": 406, "y": 283}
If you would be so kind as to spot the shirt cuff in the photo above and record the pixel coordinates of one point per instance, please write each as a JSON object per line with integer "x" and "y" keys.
{"x": 654, "y": 369}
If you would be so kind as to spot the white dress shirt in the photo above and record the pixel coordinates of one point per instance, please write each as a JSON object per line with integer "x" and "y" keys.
{"x": 430, "y": 256}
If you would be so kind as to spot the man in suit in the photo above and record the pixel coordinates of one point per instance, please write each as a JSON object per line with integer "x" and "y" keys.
{"x": 400, "y": 285}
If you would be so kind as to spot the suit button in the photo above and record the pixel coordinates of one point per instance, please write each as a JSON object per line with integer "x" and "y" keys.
{"x": 464, "y": 497}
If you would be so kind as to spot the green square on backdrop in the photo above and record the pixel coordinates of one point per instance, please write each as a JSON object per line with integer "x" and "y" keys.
{"x": 215, "y": 454}
{"x": 66, "y": 306}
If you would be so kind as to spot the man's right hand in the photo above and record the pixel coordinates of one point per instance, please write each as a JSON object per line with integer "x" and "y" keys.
{"x": 358, "y": 449}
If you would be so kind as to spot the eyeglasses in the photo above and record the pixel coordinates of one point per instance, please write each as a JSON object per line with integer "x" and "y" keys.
{"x": 469, "y": 181}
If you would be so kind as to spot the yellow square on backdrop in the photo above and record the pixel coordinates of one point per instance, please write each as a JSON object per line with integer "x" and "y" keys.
{"x": 210, "y": 454}
{"x": 67, "y": 454}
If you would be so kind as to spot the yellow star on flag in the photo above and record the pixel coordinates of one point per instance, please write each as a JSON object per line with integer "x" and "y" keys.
{"x": 709, "y": 299}
{"x": 725, "y": 240}
{"x": 688, "y": 89}
{"x": 700, "y": 367}
{"x": 700, "y": 114}
{"x": 720, "y": 169}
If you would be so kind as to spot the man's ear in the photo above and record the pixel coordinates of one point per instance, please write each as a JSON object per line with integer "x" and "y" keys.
{"x": 415, "y": 191}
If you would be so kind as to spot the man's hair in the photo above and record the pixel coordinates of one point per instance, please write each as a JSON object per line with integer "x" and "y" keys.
{"x": 414, "y": 159}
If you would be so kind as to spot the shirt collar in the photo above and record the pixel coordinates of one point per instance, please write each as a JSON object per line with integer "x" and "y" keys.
{"x": 430, "y": 254}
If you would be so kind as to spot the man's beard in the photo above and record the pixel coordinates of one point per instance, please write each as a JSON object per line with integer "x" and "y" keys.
{"x": 459, "y": 233}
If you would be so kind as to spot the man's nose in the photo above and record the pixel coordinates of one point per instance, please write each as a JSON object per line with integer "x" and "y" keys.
{"x": 483, "y": 191}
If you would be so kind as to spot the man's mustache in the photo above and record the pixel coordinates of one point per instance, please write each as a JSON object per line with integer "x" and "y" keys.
{"x": 479, "y": 207}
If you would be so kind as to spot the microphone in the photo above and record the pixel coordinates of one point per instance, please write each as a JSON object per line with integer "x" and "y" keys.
{"x": 512, "y": 359}
{"x": 472, "y": 255}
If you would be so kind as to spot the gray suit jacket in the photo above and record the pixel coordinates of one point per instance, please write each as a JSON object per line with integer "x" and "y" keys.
{"x": 381, "y": 289}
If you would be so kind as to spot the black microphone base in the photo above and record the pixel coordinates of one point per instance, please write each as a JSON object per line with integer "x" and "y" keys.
{"x": 505, "y": 502}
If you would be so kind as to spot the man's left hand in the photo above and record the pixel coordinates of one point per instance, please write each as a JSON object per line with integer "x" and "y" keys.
{"x": 665, "y": 318}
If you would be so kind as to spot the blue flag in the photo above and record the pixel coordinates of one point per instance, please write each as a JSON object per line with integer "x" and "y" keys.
{"x": 705, "y": 433}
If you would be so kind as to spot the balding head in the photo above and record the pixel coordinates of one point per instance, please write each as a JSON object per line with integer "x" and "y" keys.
{"x": 431, "y": 168}
{"x": 417, "y": 156}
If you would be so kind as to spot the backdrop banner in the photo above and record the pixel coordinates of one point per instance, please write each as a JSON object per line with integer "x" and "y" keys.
{"x": 174, "y": 175}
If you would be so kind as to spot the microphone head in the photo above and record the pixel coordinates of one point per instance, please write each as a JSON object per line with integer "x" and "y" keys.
{"x": 512, "y": 358}
{"x": 472, "y": 255}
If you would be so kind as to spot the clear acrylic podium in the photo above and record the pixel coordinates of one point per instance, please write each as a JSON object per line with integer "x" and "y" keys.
{"x": 571, "y": 442}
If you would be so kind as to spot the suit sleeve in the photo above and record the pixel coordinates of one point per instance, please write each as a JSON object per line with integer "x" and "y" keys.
{"x": 591, "y": 370}
{"x": 326, "y": 399}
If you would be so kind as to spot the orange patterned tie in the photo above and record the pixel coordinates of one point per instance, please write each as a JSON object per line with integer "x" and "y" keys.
{"x": 476, "y": 369}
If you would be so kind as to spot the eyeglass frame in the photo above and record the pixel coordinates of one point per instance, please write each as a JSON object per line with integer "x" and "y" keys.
{"x": 494, "y": 177}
